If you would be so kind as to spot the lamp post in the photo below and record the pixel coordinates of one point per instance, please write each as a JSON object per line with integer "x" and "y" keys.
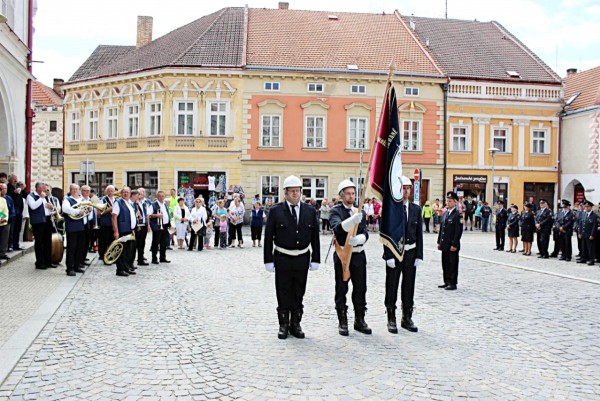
{"x": 493, "y": 153}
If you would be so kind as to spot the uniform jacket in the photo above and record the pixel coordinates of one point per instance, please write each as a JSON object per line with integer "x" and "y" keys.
{"x": 413, "y": 233}
{"x": 501, "y": 218}
{"x": 544, "y": 219}
{"x": 579, "y": 219}
{"x": 590, "y": 225}
{"x": 282, "y": 230}
{"x": 450, "y": 231}
{"x": 513, "y": 219}
{"x": 338, "y": 214}
{"x": 527, "y": 222}
{"x": 567, "y": 222}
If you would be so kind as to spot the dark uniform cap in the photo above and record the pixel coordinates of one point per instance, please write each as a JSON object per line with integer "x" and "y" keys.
{"x": 587, "y": 203}
{"x": 500, "y": 202}
{"x": 452, "y": 195}
{"x": 528, "y": 205}
{"x": 566, "y": 203}
{"x": 514, "y": 207}
{"x": 543, "y": 200}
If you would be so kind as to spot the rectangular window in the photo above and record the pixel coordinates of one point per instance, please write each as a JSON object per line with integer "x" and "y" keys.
{"x": 97, "y": 181}
{"x": 314, "y": 188}
{"x": 411, "y": 91}
{"x": 112, "y": 118}
{"x": 360, "y": 89}
{"x": 154, "y": 119}
{"x": 270, "y": 131}
{"x": 218, "y": 118}
{"x": 56, "y": 157}
{"x": 269, "y": 186}
{"x": 460, "y": 140}
{"x": 92, "y": 133}
{"x": 539, "y": 142}
{"x": 146, "y": 179}
{"x": 53, "y": 125}
{"x": 500, "y": 139}
{"x": 315, "y": 132}
{"x": 411, "y": 135}
{"x": 272, "y": 86}
{"x": 75, "y": 126}
{"x": 357, "y": 133}
{"x": 133, "y": 116}
{"x": 316, "y": 87}
{"x": 184, "y": 118}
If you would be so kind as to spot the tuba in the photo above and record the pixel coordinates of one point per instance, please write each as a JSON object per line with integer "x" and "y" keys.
{"x": 116, "y": 248}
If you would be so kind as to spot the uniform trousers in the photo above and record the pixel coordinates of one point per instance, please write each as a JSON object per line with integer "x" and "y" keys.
{"x": 500, "y": 236}
{"x": 556, "y": 238}
{"x": 291, "y": 273}
{"x": 140, "y": 243}
{"x": 124, "y": 261}
{"x": 543, "y": 241}
{"x": 104, "y": 240}
{"x": 159, "y": 240}
{"x": 588, "y": 253}
{"x": 42, "y": 233}
{"x": 75, "y": 244}
{"x": 450, "y": 267}
{"x": 87, "y": 237}
{"x": 358, "y": 276}
{"x": 566, "y": 245}
{"x": 15, "y": 231}
{"x": 407, "y": 270}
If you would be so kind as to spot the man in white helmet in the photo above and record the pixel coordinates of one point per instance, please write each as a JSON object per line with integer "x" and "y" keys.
{"x": 343, "y": 218}
{"x": 291, "y": 233}
{"x": 413, "y": 257}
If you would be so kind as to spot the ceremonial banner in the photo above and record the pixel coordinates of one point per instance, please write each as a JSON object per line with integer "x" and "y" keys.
{"x": 385, "y": 176}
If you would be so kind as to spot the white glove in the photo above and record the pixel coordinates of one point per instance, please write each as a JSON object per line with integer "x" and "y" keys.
{"x": 358, "y": 240}
{"x": 391, "y": 263}
{"x": 270, "y": 267}
{"x": 352, "y": 221}
{"x": 418, "y": 262}
{"x": 314, "y": 266}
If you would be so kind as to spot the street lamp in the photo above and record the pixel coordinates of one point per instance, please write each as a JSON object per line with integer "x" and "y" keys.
{"x": 493, "y": 152}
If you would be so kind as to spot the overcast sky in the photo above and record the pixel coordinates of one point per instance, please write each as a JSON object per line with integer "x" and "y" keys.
{"x": 564, "y": 33}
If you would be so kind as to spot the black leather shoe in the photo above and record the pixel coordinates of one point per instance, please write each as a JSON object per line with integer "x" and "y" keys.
{"x": 86, "y": 263}
{"x": 41, "y": 267}
{"x": 451, "y": 288}
{"x": 122, "y": 273}
{"x": 442, "y": 285}
{"x": 391, "y": 325}
{"x": 79, "y": 270}
{"x": 590, "y": 263}
{"x": 143, "y": 264}
{"x": 155, "y": 262}
{"x": 71, "y": 273}
{"x": 561, "y": 258}
{"x": 51, "y": 266}
{"x": 5, "y": 257}
{"x": 130, "y": 272}
{"x": 553, "y": 255}
{"x": 545, "y": 256}
{"x": 165, "y": 261}
{"x": 581, "y": 261}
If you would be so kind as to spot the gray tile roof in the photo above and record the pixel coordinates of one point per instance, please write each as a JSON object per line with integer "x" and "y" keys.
{"x": 481, "y": 50}
{"x": 215, "y": 40}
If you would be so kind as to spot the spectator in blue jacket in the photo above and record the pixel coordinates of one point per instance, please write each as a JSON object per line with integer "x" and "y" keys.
{"x": 256, "y": 223}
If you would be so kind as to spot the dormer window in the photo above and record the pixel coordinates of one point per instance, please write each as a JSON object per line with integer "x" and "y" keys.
{"x": 513, "y": 74}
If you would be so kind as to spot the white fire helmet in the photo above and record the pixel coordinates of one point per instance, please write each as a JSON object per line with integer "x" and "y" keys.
{"x": 292, "y": 181}
{"x": 405, "y": 181}
{"x": 345, "y": 184}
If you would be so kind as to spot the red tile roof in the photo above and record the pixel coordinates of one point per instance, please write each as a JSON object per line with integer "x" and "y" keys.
{"x": 317, "y": 40}
{"x": 587, "y": 84}
{"x": 481, "y": 50}
{"x": 42, "y": 95}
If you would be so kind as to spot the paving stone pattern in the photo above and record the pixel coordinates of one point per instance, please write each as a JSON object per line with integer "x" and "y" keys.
{"x": 205, "y": 327}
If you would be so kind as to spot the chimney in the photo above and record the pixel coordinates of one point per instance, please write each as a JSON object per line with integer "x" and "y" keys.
{"x": 57, "y": 86}
{"x": 571, "y": 71}
{"x": 284, "y": 5}
{"x": 144, "y": 31}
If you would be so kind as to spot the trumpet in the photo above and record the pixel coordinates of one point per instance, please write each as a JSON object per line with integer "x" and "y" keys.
{"x": 87, "y": 208}
{"x": 116, "y": 248}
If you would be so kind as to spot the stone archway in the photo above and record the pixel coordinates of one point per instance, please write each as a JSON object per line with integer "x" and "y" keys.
{"x": 573, "y": 190}
{"x": 6, "y": 129}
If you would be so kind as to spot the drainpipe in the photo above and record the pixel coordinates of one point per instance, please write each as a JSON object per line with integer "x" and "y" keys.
{"x": 558, "y": 162}
{"x": 28, "y": 110}
{"x": 445, "y": 89}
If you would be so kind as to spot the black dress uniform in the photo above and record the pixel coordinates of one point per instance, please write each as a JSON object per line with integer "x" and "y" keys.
{"x": 527, "y": 226}
{"x": 580, "y": 216}
{"x": 501, "y": 219}
{"x": 588, "y": 235}
{"x": 413, "y": 250}
{"x": 286, "y": 245}
{"x": 544, "y": 219}
{"x": 358, "y": 272}
{"x": 512, "y": 224}
{"x": 565, "y": 231}
{"x": 556, "y": 233}
{"x": 450, "y": 233}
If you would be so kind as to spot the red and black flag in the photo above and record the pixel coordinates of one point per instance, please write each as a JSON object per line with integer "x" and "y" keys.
{"x": 386, "y": 176}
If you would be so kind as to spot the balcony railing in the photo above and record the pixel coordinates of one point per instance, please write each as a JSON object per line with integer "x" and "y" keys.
{"x": 141, "y": 144}
{"x": 505, "y": 91}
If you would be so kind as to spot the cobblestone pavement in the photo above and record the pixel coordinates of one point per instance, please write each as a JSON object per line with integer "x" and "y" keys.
{"x": 205, "y": 327}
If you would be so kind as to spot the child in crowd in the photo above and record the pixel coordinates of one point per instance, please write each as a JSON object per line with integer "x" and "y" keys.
{"x": 209, "y": 233}
{"x": 223, "y": 230}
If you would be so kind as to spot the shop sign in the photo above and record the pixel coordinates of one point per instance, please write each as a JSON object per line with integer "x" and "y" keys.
{"x": 467, "y": 179}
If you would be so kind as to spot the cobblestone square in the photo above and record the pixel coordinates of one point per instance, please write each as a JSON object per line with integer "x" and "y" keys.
{"x": 205, "y": 327}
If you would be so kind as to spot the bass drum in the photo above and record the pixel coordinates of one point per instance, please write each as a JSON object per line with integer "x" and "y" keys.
{"x": 58, "y": 248}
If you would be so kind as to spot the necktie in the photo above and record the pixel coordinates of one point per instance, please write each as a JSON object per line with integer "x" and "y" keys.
{"x": 294, "y": 214}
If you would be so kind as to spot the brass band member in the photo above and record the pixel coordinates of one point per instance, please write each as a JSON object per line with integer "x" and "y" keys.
{"x": 87, "y": 224}
{"x": 343, "y": 217}
{"x": 158, "y": 214}
{"x": 292, "y": 229}
{"x": 141, "y": 232}
{"x": 76, "y": 245}
{"x": 106, "y": 230}
{"x": 124, "y": 223}
{"x": 40, "y": 211}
